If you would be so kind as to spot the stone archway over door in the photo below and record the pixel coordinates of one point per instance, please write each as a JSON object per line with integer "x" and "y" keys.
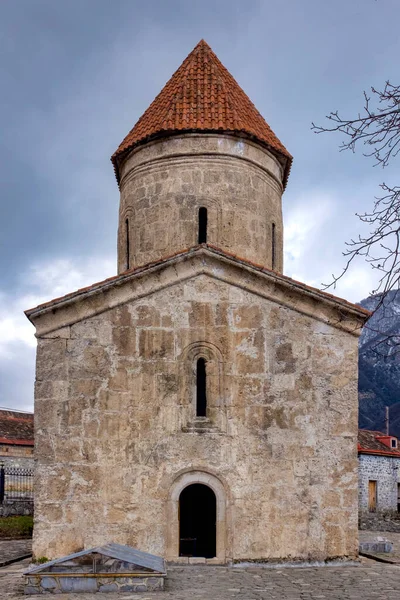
{"x": 186, "y": 480}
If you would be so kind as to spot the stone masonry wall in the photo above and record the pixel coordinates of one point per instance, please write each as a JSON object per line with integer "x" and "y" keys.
{"x": 55, "y": 583}
{"x": 11, "y": 508}
{"x": 17, "y": 456}
{"x": 116, "y": 427}
{"x": 379, "y": 521}
{"x": 164, "y": 184}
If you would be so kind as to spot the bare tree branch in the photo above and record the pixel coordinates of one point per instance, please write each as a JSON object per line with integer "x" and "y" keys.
{"x": 378, "y": 130}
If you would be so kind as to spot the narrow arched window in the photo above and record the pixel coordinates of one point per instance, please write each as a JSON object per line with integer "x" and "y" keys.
{"x": 201, "y": 388}
{"x": 202, "y": 238}
{"x": 273, "y": 246}
{"x": 127, "y": 242}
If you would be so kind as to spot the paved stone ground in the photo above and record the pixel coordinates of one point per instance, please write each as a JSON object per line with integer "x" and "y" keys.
{"x": 368, "y": 581}
{"x": 10, "y": 549}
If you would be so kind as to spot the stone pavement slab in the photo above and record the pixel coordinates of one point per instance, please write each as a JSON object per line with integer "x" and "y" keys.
{"x": 11, "y": 549}
{"x": 369, "y": 581}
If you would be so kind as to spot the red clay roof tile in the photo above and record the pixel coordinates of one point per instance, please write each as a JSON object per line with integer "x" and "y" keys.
{"x": 201, "y": 96}
{"x": 16, "y": 428}
{"x": 369, "y": 444}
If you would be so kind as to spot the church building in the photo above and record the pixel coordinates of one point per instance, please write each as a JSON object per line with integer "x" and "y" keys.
{"x": 200, "y": 405}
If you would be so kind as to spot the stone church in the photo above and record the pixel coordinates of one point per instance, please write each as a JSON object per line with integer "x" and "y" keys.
{"x": 200, "y": 405}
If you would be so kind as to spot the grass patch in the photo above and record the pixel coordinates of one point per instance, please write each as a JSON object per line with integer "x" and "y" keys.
{"x": 41, "y": 560}
{"x": 16, "y": 527}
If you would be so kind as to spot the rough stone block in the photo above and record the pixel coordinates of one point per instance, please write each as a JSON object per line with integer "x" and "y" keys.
{"x": 376, "y": 546}
{"x": 29, "y": 589}
{"x": 78, "y": 584}
{"x": 48, "y": 583}
{"x": 108, "y": 587}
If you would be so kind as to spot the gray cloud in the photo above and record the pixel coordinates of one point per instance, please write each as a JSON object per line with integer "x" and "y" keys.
{"x": 76, "y": 76}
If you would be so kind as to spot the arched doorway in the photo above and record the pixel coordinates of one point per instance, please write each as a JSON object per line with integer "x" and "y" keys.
{"x": 184, "y": 480}
{"x": 197, "y": 521}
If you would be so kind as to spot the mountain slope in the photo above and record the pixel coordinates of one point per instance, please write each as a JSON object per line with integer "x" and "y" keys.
{"x": 379, "y": 364}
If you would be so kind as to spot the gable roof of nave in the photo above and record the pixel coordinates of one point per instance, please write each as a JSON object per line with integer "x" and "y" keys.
{"x": 202, "y": 259}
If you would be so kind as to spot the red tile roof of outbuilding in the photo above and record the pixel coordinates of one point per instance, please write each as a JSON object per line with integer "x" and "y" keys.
{"x": 368, "y": 444}
{"x": 202, "y": 96}
{"x": 16, "y": 428}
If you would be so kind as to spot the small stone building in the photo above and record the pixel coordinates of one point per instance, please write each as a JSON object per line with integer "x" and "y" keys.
{"x": 200, "y": 405}
{"x": 379, "y": 479}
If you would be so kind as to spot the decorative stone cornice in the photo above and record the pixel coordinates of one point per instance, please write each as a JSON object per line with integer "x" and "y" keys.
{"x": 197, "y": 146}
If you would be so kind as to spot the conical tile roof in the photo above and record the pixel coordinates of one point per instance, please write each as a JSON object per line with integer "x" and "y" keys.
{"x": 201, "y": 96}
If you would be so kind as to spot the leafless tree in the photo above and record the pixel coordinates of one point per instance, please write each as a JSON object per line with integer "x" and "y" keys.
{"x": 377, "y": 128}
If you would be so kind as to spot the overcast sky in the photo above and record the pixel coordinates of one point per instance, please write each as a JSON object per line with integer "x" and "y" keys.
{"x": 75, "y": 76}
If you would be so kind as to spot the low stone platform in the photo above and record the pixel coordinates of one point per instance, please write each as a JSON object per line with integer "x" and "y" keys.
{"x": 378, "y": 546}
{"x": 107, "y": 568}
{"x": 392, "y": 537}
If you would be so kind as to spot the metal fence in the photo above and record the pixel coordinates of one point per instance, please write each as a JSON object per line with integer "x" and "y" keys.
{"x": 16, "y": 484}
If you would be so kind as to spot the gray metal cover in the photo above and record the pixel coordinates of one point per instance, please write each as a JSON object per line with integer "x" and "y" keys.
{"x": 156, "y": 564}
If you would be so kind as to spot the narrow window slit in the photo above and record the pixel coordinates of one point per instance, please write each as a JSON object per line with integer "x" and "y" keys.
{"x": 273, "y": 249}
{"x": 127, "y": 243}
{"x": 202, "y": 238}
{"x": 201, "y": 385}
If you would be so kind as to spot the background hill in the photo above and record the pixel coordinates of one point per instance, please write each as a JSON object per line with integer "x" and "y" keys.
{"x": 379, "y": 365}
